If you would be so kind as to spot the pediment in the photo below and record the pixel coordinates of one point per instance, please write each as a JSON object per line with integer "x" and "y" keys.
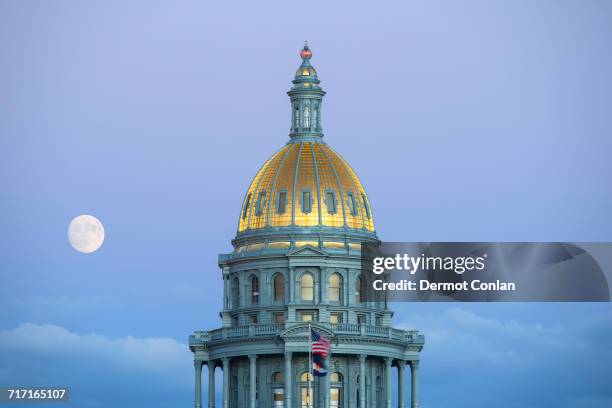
{"x": 308, "y": 251}
{"x": 301, "y": 330}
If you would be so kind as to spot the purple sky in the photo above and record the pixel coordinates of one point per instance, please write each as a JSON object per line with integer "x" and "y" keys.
{"x": 465, "y": 120}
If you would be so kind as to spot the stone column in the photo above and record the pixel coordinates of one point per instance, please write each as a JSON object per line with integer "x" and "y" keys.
{"x": 362, "y": 381}
{"x": 291, "y": 283}
{"x": 211, "y": 383}
{"x": 253, "y": 380}
{"x": 288, "y": 379}
{"x": 372, "y": 398}
{"x": 327, "y": 387}
{"x": 226, "y": 380}
{"x": 226, "y": 304}
{"x": 414, "y": 371}
{"x": 198, "y": 383}
{"x": 388, "y": 361}
{"x": 401, "y": 400}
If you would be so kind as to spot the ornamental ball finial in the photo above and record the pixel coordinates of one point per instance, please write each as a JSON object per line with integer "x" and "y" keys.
{"x": 305, "y": 53}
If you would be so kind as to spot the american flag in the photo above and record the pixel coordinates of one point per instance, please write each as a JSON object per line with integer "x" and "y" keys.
{"x": 320, "y": 345}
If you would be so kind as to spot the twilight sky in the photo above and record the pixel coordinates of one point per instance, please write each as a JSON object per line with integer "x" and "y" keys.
{"x": 465, "y": 120}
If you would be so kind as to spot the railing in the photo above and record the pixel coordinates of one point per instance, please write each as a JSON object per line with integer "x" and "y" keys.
{"x": 273, "y": 329}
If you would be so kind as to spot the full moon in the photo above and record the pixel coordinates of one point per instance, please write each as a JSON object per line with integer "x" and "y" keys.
{"x": 86, "y": 233}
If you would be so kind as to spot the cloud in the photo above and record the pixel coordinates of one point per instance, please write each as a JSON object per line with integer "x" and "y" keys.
{"x": 97, "y": 367}
{"x": 479, "y": 361}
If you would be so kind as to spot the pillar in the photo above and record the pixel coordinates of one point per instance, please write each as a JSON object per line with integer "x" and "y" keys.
{"x": 327, "y": 387}
{"x": 226, "y": 380}
{"x": 372, "y": 399}
{"x": 291, "y": 284}
{"x": 414, "y": 371}
{"x": 288, "y": 379}
{"x": 362, "y": 382}
{"x": 401, "y": 400}
{"x": 388, "y": 361}
{"x": 211, "y": 384}
{"x": 226, "y": 304}
{"x": 253, "y": 380}
{"x": 198, "y": 383}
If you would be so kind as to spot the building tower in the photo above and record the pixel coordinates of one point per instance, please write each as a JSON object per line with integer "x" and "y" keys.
{"x": 296, "y": 260}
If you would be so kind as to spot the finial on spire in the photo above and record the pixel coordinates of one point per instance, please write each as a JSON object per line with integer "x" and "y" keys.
{"x": 305, "y": 53}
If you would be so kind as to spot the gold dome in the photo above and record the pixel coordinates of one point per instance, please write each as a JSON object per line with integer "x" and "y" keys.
{"x": 306, "y": 184}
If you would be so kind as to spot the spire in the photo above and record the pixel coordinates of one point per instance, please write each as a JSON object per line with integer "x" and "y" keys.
{"x": 306, "y": 96}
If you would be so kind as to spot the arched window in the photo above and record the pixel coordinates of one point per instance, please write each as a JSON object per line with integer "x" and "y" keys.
{"x": 334, "y": 290}
{"x": 297, "y": 117}
{"x": 278, "y": 390}
{"x": 307, "y": 287}
{"x": 306, "y": 392}
{"x": 306, "y": 376}
{"x": 335, "y": 377}
{"x": 279, "y": 287}
{"x": 359, "y": 289}
{"x": 335, "y": 391}
{"x": 379, "y": 392}
{"x": 306, "y": 117}
{"x": 234, "y": 391}
{"x": 366, "y": 389}
{"x": 254, "y": 290}
{"x": 235, "y": 289}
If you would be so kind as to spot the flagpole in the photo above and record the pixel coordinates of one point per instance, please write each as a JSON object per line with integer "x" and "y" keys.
{"x": 309, "y": 364}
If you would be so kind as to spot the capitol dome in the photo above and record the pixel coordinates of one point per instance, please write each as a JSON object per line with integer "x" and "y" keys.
{"x": 296, "y": 272}
{"x": 306, "y": 187}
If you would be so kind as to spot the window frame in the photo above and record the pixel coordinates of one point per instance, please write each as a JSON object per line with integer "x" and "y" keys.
{"x": 339, "y": 317}
{"x": 255, "y": 290}
{"x": 275, "y": 288}
{"x": 333, "y": 208}
{"x": 302, "y": 201}
{"x": 311, "y": 288}
{"x": 363, "y": 317}
{"x": 283, "y": 193}
{"x": 365, "y": 205}
{"x": 339, "y": 288}
{"x": 261, "y": 203}
{"x": 275, "y": 315}
{"x": 352, "y": 203}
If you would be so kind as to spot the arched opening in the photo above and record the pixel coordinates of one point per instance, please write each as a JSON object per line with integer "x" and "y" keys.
{"x": 306, "y": 117}
{"x": 307, "y": 390}
{"x": 235, "y": 292}
{"x": 334, "y": 291}
{"x": 278, "y": 390}
{"x": 335, "y": 391}
{"x": 234, "y": 391}
{"x": 254, "y": 290}
{"x": 366, "y": 392}
{"x": 307, "y": 287}
{"x": 379, "y": 391}
{"x": 279, "y": 287}
{"x": 359, "y": 289}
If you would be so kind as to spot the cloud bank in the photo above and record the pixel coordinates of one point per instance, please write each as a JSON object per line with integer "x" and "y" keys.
{"x": 469, "y": 360}
{"x": 475, "y": 361}
{"x": 100, "y": 371}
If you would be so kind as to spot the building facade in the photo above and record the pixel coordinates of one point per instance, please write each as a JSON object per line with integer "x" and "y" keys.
{"x": 296, "y": 260}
